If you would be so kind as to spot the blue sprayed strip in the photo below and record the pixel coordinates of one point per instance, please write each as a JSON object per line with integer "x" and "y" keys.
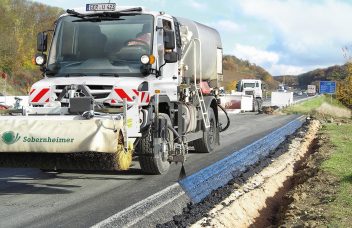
{"x": 200, "y": 184}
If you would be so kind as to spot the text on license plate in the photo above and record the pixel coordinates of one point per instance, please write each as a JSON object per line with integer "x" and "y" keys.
{"x": 101, "y": 7}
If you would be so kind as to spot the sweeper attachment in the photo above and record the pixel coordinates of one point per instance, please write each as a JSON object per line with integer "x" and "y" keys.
{"x": 79, "y": 136}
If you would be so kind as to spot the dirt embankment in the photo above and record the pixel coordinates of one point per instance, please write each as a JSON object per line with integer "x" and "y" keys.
{"x": 307, "y": 202}
{"x": 253, "y": 203}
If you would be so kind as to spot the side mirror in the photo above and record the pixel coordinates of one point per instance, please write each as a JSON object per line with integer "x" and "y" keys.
{"x": 169, "y": 39}
{"x": 42, "y": 42}
{"x": 170, "y": 57}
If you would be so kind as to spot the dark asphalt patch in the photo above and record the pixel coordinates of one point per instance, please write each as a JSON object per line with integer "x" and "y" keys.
{"x": 195, "y": 211}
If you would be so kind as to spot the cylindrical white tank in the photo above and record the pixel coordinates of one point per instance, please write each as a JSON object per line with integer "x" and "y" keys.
{"x": 201, "y": 50}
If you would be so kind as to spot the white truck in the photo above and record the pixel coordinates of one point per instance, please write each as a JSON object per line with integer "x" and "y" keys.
{"x": 119, "y": 81}
{"x": 253, "y": 87}
{"x": 311, "y": 90}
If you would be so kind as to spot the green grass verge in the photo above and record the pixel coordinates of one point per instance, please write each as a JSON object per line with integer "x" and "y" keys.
{"x": 307, "y": 107}
{"x": 340, "y": 165}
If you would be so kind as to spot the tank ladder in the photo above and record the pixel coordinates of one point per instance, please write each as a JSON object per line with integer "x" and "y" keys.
{"x": 205, "y": 114}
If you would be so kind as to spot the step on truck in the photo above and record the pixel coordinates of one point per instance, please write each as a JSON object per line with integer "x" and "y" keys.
{"x": 119, "y": 83}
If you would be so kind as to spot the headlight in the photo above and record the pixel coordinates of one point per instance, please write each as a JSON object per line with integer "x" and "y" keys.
{"x": 145, "y": 59}
{"x": 40, "y": 59}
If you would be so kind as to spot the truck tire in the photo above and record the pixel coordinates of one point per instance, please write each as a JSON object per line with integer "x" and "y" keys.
{"x": 153, "y": 163}
{"x": 207, "y": 144}
{"x": 260, "y": 105}
{"x": 255, "y": 105}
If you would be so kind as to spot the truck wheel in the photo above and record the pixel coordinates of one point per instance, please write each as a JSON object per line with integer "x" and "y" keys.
{"x": 208, "y": 142}
{"x": 150, "y": 162}
{"x": 260, "y": 105}
{"x": 255, "y": 105}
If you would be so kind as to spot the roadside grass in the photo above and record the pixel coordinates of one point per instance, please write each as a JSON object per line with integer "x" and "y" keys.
{"x": 311, "y": 106}
{"x": 340, "y": 165}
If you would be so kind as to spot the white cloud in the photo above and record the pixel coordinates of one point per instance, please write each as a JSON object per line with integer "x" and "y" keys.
{"x": 270, "y": 61}
{"x": 196, "y": 5}
{"x": 254, "y": 55}
{"x": 305, "y": 26}
{"x": 282, "y": 69}
{"x": 226, "y": 26}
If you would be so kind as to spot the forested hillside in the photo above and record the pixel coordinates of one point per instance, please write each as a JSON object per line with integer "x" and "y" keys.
{"x": 340, "y": 74}
{"x": 333, "y": 73}
{"x": 20, "y": 22}
{"x": 236, "y": 69}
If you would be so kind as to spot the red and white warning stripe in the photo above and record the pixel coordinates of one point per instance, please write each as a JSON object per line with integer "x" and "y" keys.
{"x": 130, "y": 94}
{"x": 144, "y": 98}
{"x": 39, "y": 95}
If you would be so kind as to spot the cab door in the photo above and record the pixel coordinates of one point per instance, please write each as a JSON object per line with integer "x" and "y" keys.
{"x": 168, "y": 81}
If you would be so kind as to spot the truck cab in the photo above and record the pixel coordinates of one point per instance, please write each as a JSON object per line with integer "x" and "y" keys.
{"x": 253, "y": 87}
{"x": 250, "y": 87}
{"x": 114, "y": 55}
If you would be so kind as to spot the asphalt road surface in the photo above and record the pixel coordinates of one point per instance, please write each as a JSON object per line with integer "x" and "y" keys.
{"x": 32, "y": 198}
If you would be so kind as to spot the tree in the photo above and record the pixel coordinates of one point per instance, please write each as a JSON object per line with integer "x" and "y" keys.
{"x": 20, "y": 22}
{"x": 344, "y": 87}
{"x": 231, "y": 86}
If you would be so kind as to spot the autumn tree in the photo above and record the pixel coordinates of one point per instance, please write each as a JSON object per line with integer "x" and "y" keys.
{"x": 231, "y": 86}
{"x": 20, "y": 22}
{"x": 344, "y": 86}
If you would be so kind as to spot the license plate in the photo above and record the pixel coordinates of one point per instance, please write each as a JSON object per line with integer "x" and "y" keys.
{"x": 101, "y": 7}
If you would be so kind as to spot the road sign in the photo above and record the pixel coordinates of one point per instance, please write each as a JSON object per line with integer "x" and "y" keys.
{"x": 327, "y": 87}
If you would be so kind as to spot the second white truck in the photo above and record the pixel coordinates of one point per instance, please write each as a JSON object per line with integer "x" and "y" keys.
{"x": 253, "y": 87}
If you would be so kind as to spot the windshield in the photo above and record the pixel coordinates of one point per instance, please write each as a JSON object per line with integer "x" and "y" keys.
{"x": 248, "y": 85}
{"x": 100, "y": 47}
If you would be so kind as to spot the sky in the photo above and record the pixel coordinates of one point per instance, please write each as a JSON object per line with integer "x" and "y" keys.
{"x": 282, "y": 36}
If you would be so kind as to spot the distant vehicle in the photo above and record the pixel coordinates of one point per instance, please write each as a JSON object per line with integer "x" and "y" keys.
{"x": 311, "y": 90}
{"x": 252, "y": 87}
{"x": 299, "y": 93}
{"x": 281, "y": 88}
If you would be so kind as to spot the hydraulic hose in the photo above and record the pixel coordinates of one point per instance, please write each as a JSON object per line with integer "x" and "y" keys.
{"x": 175, "y": 133}
{"x": 228, "y": 119}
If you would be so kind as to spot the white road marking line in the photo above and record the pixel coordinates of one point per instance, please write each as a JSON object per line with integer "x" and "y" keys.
{"x": 140, "y": 205}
